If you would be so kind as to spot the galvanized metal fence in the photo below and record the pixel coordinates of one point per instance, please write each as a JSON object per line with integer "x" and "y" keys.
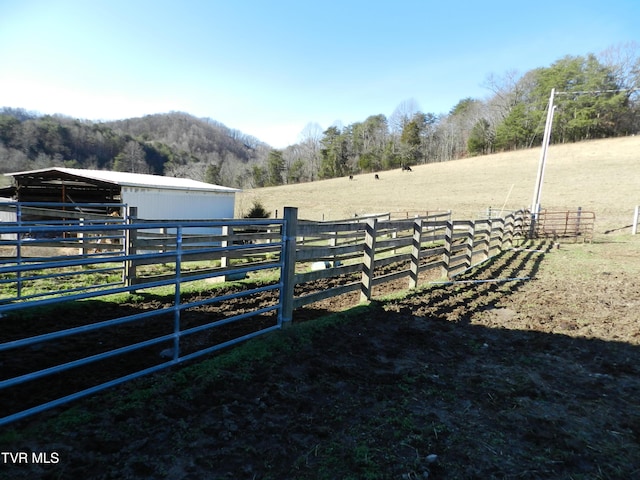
{"x": 353, "y": 256}
{"x": 566, "y": 224}
{"x": 160, "y": 337}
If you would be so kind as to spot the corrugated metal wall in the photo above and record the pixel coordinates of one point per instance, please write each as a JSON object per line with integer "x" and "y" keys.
{"x": 159, "y": 204}
{"x": 8, "y": 215}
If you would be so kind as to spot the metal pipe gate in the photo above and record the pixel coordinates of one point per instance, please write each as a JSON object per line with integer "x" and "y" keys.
{"x": 140, "y": 334}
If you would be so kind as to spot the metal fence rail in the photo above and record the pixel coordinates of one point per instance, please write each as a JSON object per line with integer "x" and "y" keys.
{"x": 574, "y": 224}
{"x": 27, "y": 283}
{"x": 351, "y": 256}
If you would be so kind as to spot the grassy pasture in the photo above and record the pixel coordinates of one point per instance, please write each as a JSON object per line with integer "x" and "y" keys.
{"x": 600, "y": 175}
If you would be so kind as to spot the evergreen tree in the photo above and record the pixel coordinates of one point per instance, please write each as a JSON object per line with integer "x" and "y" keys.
{"x": 275, "y": 168}
{"x": 333, "y": 154}
{"x": 257, "y": 211}
{"x": 480, "y": 140}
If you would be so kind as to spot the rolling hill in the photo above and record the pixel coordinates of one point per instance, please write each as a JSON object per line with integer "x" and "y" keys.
{"x": 600, "y": 175}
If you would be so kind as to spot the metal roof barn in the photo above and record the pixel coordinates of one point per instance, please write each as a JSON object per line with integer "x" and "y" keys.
{"x": 156, "y": 197}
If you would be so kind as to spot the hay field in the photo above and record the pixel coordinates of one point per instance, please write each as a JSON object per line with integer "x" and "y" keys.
{"x": 600, "y": 175}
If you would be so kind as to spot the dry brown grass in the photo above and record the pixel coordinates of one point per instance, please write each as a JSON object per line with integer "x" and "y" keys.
{"x": 601, "y": 176}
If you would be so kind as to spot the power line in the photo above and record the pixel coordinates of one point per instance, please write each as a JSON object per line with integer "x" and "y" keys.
{"x": 586, "y": 92}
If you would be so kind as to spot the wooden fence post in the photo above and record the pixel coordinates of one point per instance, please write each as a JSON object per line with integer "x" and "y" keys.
{"x": 507, "y": 234}
{"x": 415, "y": 253}
{"x": 446, "y": 255}
{"x": 470, "y": 243}
{"x": 487, "y": 249}
{"x": 500, "y": 240}
{"x": 288, "y": 272}
{"x": 634, "y": 227}
{"x": 131, "y": 237}
{"x": 368, "y": 259}
{"x": 333, "y": 242}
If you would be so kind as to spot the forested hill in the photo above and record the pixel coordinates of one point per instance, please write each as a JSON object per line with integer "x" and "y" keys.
{"x": 595, "y": 97}
{"x": 174, "y": 144}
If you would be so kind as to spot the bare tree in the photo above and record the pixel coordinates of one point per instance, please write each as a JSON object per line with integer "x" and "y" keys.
{"x": 310, "y": 138}
{"x": 132, "y": 159}
{"x": 402, "y": 115}
{"x": 624, "y": 61}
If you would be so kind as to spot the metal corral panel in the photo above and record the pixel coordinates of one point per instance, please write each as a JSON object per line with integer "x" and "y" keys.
{"x": 160, "y": 204}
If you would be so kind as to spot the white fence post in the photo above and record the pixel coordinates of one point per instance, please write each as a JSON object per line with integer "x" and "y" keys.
{"x": 634, "y": 227}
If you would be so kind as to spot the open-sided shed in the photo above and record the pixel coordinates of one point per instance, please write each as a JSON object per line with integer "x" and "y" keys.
{"x": 156, "y": 197}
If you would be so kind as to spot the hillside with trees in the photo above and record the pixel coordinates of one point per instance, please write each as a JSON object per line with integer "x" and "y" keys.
{"x": 174, "y": 144}
{"x": 597, "y": 97}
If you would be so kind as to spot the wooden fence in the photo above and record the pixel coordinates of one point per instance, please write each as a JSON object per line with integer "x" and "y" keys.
{"x": 308, "y": 261}
{"x": 358, "y": 253}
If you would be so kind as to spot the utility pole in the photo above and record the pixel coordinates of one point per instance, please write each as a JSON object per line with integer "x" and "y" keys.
{"x": 535, "y": 204}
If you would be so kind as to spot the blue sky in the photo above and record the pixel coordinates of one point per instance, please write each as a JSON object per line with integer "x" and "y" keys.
{"x": 269, "y": 68}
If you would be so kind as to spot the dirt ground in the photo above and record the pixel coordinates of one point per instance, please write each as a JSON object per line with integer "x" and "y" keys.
{"x": 537, "y": 378}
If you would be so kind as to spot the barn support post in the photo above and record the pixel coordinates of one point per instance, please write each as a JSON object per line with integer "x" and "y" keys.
{"x": 634, "y": 227}
{"x": 446, "y": 255}
{"x": 288, "y": 272}
{"x": 368, "y": 259}
{"x": 131, "y": 237}
{"x": 415, "y": 253}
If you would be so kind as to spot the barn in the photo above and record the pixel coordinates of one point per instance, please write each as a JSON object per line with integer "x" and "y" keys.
{"x": 156, "y": 197}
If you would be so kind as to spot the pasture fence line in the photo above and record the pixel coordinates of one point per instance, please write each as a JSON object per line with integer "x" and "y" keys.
{"x": 306, "y": 261}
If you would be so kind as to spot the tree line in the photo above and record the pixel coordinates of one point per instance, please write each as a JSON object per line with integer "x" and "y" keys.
{"x": 598, "y": 97}
{"x": 174, "y": 144}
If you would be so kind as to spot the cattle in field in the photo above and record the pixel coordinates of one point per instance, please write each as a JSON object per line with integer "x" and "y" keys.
{"x": 350, "y": 177}
{"x": 406, "y": 169}
{"x": 377, "y": 177}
